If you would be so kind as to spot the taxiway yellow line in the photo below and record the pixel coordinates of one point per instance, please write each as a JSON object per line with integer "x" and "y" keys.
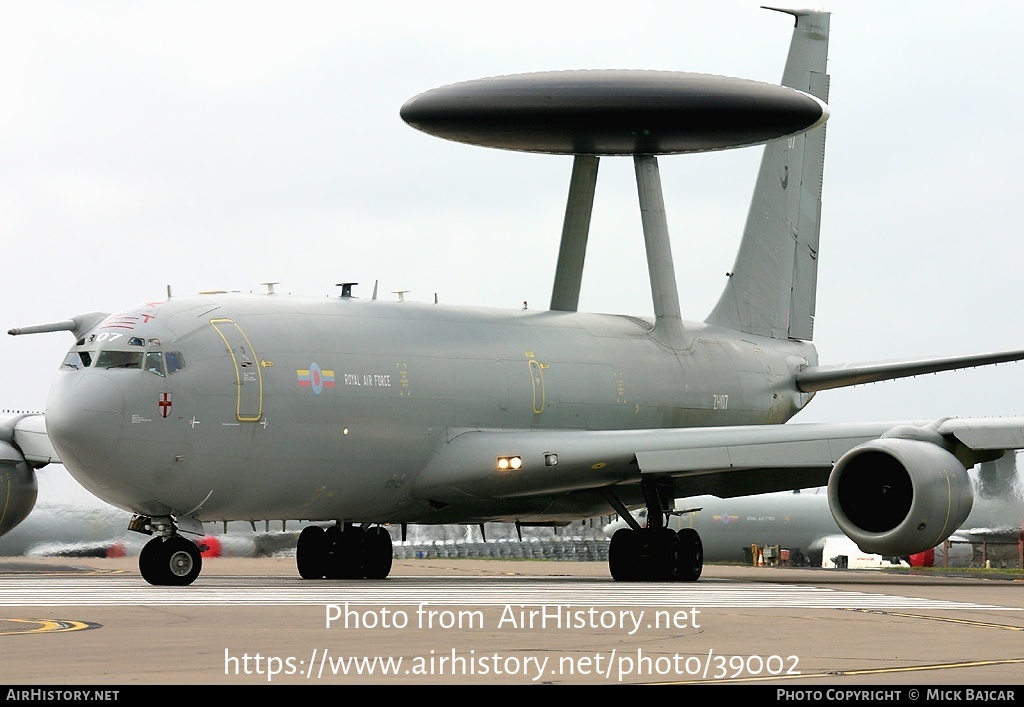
{"x": 48, "y": 626}
{"x": 982, "y": 624}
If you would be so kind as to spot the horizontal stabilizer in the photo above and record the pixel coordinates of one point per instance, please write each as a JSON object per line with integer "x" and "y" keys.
{"x": 815, "y": 378}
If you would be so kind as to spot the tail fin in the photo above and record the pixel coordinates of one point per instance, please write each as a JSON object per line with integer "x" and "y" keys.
{"x": 771, "y": 288}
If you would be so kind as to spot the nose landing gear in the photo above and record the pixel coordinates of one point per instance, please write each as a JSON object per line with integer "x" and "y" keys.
{"x": 170, "y": 561}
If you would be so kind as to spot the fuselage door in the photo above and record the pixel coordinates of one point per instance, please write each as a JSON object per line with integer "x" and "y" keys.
{"x": 248, "y": 377}
{"x": 537, "y": 378}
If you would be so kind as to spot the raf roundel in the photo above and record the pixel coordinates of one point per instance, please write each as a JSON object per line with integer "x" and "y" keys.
{"x": 614, "y": 112}
{"x": 315, "y": 378}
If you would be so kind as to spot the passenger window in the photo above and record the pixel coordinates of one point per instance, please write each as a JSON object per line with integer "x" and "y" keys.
{"x": 119, "y": 359}
{"x": 175, "y": 362}
{"x": 155, "y": 363}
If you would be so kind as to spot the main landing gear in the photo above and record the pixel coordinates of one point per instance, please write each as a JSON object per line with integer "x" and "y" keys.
{"x": 345, "y": 552}
{"x": 654, "y": 553}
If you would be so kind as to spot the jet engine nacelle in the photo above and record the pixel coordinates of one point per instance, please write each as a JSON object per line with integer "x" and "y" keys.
{"x": 18, "y": 487}
{"x": 897, "y": 497}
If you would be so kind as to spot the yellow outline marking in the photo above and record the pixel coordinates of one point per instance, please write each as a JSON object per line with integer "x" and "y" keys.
{"x": 238, "y": 370}
{"x": 534, "y": 365}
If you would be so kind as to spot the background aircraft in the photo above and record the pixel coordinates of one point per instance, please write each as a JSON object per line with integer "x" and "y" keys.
{"x": 746, "y": 368}
{"x": 802, "y": 522}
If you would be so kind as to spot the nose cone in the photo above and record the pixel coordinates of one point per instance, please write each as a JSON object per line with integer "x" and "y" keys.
{"x": 84, "y": 414}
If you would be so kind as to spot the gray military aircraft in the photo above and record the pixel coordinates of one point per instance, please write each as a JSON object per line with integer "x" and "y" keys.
{"x": 355, "y": 412}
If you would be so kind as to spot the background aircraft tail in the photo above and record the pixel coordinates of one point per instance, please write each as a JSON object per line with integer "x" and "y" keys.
{"x": 771, "y": 289}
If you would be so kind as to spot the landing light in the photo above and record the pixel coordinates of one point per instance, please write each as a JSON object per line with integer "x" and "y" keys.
{"x": 506, "y": 463}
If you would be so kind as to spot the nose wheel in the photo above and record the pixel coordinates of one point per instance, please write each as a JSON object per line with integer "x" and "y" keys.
{"x": 170, "y": 561}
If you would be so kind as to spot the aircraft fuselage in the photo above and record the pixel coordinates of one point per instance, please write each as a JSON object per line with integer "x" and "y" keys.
{"x": 290, "y": 408}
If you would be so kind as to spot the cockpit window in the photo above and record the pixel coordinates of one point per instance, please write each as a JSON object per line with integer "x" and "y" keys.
{"x": 136, "y": 341}
{"x": 77, "y": 360}
{"x": 119, "y": 359}
{"x": 175, "y": 362}
{"x": 155, "y": 363}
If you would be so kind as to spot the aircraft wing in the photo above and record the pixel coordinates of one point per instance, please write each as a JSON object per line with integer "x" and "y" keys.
{"x": 720, "y": 461}
{"x": 29, "y": 433}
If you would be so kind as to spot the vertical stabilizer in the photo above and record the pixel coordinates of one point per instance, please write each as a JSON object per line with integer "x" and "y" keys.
{"x": 771, "y": 289}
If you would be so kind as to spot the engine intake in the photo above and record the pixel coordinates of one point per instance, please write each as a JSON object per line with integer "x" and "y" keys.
{"x": 897, "y": 497}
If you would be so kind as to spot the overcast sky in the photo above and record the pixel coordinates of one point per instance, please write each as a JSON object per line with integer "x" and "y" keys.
{"x": 219, "y": 145}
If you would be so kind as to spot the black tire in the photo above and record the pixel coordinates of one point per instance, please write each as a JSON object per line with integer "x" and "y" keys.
{"x": 332, "y": 561}
{"x": 149, "y": 562}
{"x": 664, "y": 556}
{"x": 311, "y": 552}
{"x": 691, "y": 555}
{"x": 624, "y": 555}
{"x": 377, "y": 553}
{"x": 170, "y": 562}
{"x": 344, "y": 553}
{"x": 182, "y": 561}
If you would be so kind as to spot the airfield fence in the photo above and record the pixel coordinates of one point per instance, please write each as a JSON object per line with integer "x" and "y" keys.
{"x": 569, "y": 549}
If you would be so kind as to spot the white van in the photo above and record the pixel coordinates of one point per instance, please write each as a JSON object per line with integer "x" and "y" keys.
{"x": 842, "y": 553}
